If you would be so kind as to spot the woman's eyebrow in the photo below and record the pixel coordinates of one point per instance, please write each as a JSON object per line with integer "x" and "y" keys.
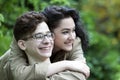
{"x": 68, "y": 29}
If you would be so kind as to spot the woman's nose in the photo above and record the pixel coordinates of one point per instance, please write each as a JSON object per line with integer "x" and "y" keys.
{"x": 72, "y": 36}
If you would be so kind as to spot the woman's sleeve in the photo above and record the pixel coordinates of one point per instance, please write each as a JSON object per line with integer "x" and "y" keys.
{"x": 18, "y": 69}
{"x": 67, "y": 75}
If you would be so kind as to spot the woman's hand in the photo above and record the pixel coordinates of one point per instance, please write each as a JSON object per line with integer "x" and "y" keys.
{"x": 79, "y": 67}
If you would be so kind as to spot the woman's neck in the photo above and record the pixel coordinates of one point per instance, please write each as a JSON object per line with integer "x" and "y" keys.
{"x": 55, "y": 49}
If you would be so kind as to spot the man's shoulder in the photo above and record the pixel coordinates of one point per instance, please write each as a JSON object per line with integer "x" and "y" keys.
{"x": 4, "y": 57}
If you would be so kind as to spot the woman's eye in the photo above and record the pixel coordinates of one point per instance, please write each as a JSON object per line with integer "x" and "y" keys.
{"x": 65, "y": 32}
{"x": 73, "y": 31}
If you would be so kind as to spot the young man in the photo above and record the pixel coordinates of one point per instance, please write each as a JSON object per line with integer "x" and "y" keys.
{"x": 36, "y": 42}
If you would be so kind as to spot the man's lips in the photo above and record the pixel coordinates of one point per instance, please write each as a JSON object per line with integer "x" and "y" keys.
{"x": 45, "y": 49}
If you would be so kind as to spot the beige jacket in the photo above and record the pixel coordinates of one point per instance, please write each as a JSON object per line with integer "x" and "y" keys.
{"x": 14, "y": 65}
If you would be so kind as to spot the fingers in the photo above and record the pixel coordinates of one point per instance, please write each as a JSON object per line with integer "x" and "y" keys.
{"x": 86, "y": 71}
{"x": 80, "y": 67}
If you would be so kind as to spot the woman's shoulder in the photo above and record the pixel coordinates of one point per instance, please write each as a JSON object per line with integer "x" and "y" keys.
{"x": 77, "y": 46}
{"x": 77, "y": 42}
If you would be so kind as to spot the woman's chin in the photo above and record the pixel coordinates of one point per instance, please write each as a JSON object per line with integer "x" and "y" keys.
{"x": 68, "y": 49}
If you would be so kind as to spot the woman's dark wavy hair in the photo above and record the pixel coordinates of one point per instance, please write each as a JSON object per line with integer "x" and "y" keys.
{"x": 55, "y": 13}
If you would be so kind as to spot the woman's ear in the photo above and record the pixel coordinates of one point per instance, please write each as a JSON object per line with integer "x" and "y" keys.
{"x": 21, "y": 44}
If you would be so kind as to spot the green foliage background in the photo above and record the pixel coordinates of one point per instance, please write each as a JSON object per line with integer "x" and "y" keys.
{"x": 101, "y": 19}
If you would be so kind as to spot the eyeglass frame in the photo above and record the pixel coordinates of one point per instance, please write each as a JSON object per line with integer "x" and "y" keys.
{"x": 33, "y": 36}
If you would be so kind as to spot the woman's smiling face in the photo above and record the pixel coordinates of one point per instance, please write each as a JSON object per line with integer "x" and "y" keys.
{"x": 64, "y": 34}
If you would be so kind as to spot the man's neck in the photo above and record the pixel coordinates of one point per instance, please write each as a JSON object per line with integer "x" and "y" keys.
{"x": 33, "y": 60}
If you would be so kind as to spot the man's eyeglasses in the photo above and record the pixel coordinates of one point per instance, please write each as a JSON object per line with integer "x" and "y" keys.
{"x": 41, "y": 36}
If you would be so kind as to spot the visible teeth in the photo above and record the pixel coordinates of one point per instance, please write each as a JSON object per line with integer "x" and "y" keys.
{"x": 69, "y": 43}
{"x": 44, "y": 48}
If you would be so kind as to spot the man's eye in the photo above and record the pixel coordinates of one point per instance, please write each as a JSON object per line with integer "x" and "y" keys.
{"x": 49, "y": 35}
{"x": 39, "y": 36}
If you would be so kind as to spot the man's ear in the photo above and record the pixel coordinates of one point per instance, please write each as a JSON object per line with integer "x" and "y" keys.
{"x": 21, "y": 44}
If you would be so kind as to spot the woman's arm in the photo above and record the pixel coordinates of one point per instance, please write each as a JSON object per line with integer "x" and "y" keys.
{"x": 68, "y": 65}
{"x": 77, "y": 54}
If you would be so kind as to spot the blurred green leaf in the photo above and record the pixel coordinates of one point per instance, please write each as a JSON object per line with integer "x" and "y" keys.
{"x": 1, "y": 18}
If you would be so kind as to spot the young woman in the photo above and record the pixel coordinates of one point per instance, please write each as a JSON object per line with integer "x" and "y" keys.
{"x": 69, "y": 34}
{"x": 67, "y": 59}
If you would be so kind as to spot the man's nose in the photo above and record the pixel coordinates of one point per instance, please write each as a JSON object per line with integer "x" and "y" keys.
{"x": 46, "y": 40}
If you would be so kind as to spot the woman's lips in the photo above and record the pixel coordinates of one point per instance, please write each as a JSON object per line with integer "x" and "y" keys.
{"x": 69, "y": 43}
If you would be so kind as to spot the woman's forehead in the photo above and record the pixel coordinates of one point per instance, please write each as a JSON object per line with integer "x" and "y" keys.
{"x": 66, "y": 23}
